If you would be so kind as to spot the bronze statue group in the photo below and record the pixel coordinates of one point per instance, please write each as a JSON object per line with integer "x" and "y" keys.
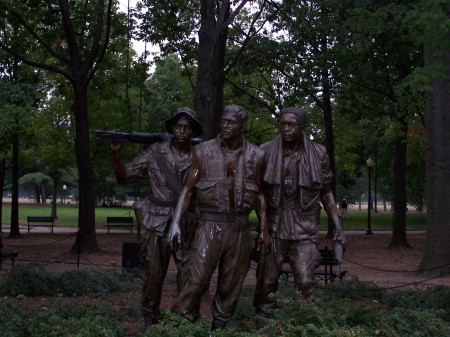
{"x": 198, "y": 207}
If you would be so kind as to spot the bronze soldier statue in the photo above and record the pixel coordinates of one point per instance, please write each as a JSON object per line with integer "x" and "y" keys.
{"x": 226, "y": 177}
{"x": 296, "y": 179}
{"x": 165, "y": 166}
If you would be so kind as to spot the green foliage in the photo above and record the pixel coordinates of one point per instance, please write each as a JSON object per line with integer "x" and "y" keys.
{"x": 33, "y": 280}
{"x": 28, "y": 280}
{"x": 33, "y": 179}
{"x": 438, "y": 298}
{"x": 81, "y": 320}
{"x": 172, "y": 325}
{"x": 167, "y": 89}
{"x": 94, "y": 282}
{"x": 170, "y": 24}
{"x": 109, "y": 193}
{"x": 404, "y": 322}
{"x": 343, "y": 309}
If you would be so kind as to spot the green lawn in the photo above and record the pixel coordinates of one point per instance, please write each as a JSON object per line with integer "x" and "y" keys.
{"x": 68, "y": 215}
{"x": 380, "y": 221}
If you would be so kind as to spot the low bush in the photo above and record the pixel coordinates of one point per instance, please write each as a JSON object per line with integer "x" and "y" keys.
{"x": 79, "y": 320}
{"x": 33, "y": 280}
{"x": 343, "y": 309}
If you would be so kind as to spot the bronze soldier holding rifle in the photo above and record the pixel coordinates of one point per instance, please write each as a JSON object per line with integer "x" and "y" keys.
{"x": 164, "y": 165}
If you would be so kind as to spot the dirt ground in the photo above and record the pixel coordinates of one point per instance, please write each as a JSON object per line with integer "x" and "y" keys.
{"x": 366, "y": 259}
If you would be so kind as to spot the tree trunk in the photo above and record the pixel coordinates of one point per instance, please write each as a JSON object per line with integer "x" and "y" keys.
{"x": 437, "y": 133}
{"x": 37, "y": 194}
{"x": 208, "y": 99}
{"x": 329, "y": 139}
{"x": 14, "y": 231}
{"x": 55, "y": 196}
{"x": 43, "y": 194}
{"x": 399, "y": 228}
{"x": 2, "y": 189}
{"x": 375, "y": 188}
{"x": 86, "y": 241}
{"x": 219, "y": 79}
{"x": 84, "y": 50}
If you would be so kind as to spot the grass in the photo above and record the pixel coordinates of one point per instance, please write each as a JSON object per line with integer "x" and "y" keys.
{"x": 380, "y": 221}
{"x": 68, "y": 215}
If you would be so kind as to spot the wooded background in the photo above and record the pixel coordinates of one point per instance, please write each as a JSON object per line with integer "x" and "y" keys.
{"x": 373, "y": 75}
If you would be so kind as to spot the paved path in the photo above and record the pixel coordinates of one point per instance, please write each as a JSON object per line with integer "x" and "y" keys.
{"x": 62, "y": 230}
{"x": 68, "y": 230}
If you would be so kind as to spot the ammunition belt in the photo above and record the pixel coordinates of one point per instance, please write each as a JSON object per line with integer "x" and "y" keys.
{"x": 162, "y": 202}
{"x": 173, "y": 181}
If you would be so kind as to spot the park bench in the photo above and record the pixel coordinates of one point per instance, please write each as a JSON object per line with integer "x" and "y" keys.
{"x": 328, "y": 270}
{"x": 7, "y": 254}
{"x": 41, "y": 221}
{"x": 119, "y": 222}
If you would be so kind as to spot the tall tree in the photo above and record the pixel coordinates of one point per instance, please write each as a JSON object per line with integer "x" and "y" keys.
{"x": 72, "y": 38}
{"x": 437, "y": 130}
{"x": 173, "y": 25}
{"x": 17, "y": 100}
{"x": 378, "y": 60}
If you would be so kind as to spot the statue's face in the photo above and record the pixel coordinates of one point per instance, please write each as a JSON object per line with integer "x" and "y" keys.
{"x": 182, "y": 130}
{"x": 290, "y": 128}
{"x": 231, "y": 126}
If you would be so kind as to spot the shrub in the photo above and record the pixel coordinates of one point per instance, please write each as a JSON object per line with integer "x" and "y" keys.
{"x": 33, "y": 280}
{"x": 68, "y": 320}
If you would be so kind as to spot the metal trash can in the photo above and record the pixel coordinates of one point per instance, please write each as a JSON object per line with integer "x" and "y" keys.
{"x": 130, "y": 255}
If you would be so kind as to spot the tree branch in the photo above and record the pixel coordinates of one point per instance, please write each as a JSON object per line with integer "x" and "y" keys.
{"x": 33, "y": 33}
{"x": 70, "y": 34}
{"x": 105, "y": 41}
{"x": 230, "y": 19}
{"x": 249, "y": 36}
{"x": 45, "y": 66}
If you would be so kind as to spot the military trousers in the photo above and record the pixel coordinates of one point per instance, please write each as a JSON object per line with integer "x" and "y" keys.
{"x": 222, "y": 245}
{"x": 155, "y": 256}
{"x": 304, "y": 258}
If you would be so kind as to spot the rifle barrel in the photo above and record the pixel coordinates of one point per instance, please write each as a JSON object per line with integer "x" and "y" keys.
{"x": 134, "y": 137}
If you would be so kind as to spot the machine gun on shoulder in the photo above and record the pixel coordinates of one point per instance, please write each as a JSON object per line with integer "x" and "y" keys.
{"x": 134, "y": 137}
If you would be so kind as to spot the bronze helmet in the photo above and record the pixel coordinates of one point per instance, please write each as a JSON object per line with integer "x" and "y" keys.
{"x": 185, "y": 111}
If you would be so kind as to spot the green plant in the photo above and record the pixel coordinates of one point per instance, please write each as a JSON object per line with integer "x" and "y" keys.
{"x": 343, "y": 309}
{"x": 76, "y": 319}
{"x": 28, "y": 280}
{"x": 33, "y": 280}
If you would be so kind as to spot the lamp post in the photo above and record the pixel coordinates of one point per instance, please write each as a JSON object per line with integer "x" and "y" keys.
{"x": 369, "y": 164}
{"x": 64, "y": 193}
